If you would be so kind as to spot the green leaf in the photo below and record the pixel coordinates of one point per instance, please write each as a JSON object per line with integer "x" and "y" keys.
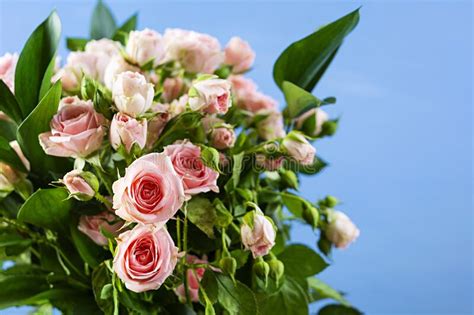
{"x": 237, "y": 168}
{"x": 237, "y": 299}
{"x": 295, "y": 204}
{"x": 48, "y": 208}
{"x": 289, "y": 299}
{"x": 9, "y": 104}
{"x": 335, "y": 309}
{"x": 103, "y": 23}
{"x": 100, "y": 279}
{"x": 128, "y": 26}
{"x": 89, "y": 251}
{"x": 76, "y": 44}
{"x": 9, "y": 156}
{"x": 301, "y": 262}
{"x": 33, "y": 62}
{"x": 224, "y": 217}
{"x": 321, "y": 290}
{"x": 202, "y": 213}
{"x": 46, "y": 82}
{"x": 298, "y": 100}
{"x": 184, "y": 126}
{"x": 37, "y": 122}
{"x": 8, "y": 129}
{"x": 210, "y": 157}
{"x": 305, "y": 61}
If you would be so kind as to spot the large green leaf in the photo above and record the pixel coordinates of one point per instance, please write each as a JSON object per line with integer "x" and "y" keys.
{"x": 335, "y": 309}
{"x": 320, "y": 290}
{"x": 305, "y": 61}
{"x": 9, "y": 156}
{"x": 236, "y": 298}
{"x": 298, "y": 99}
{"x": 301, "y": 261}
{"x": 34, "y": 60}
{"x": 37, "y": 122}
{"x": 8, "y": 129}
{"x": 289, "y": 299}
{"x": 49, "y": 209}
{"x": 129, "y": 25}
{"x": 202, "y": 213}
{"x": 103, "y": 23}
{"x": 9, "y": 104}
{"x": 89, "y": 251}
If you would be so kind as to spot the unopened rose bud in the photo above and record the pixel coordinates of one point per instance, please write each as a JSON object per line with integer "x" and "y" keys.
{"x": 329, "y": 128}
{"x": 341, "y": 231}
{"x": 258, "y": 233}
{"x": 311, "y": 216}
{"x": 228, "y": 265}
{"x": 127, "y": 131}
{"x": 299, "y": 148}
{"x": 331, "y": 201}
{"x": 81, "y": 185}
{"x": 277, "y": 269}
{"x": 239, "y": 55}
{"x": 223, "y": 137}
{"x": 132, "y": 94}
{"x": 261, "y": 270}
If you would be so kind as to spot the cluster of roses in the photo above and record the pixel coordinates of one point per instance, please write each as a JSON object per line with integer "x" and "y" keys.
{"x": 156, "y": 185}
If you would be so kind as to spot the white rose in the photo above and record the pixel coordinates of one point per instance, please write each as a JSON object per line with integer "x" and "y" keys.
{"x": 341, "y": 231}
{"x": 143, "y": 46}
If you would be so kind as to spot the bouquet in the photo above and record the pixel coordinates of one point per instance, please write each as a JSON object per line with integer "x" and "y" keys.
{"x": 148, "y": 175}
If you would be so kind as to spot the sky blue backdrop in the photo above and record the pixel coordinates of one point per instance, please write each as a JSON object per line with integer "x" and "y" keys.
{"x": 402, "y": 159}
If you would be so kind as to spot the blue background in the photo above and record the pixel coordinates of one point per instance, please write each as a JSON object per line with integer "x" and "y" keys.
{"x": 401, "y": 161}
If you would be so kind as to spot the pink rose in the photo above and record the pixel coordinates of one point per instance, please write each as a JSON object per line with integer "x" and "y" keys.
{"x": 254, "y": 102}
{"x": 195, "y": 51}
{"x": 77, "y": 129}
{"x": 320, "y": 118}
{"x": 132, "y": 94}
{"x": 223, "y": 137}
{"x": 299, "y": 148}
{"x": 239, "y": 55}
{"x": 91, "y": 226}
{"x": 127, "y": 131}
{"x": 104, "y": 49}
{"x": 7, "y": 69}
{"x": 258, "y": 233}
{"x": 211, "y": 96}
{"x": 145, "y": 257}
{"x": 269, "y": 163}
{"x": 116, "y": 66}
{"x": 150, "y": 191}
{"x": 341, "y": 231}
{"x": 81, "y": 185}
{"x": 197, "y": 177}
{"x": 79, "y": 64}
{"x": 157, "y": 123}
{"x": 145, "y": 46}
{"x": 194, "y": 277}
{"x": 272, "y": 126}
{"x": 172, "y": 88}
{"x": 242, "y": 87}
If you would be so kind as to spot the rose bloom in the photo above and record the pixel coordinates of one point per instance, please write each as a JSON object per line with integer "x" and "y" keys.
{"x": 145, "y": 257}
{"x": 261, "y": 237}
{"x": 341, "y": 231}
{"x": 196, "y": 52}
{"x": 150, "y": 191}
{"x": 256, "y": 101}
{"x": 320, "y": 117}
{"x": 242, "y": 87}
{"x": 272, "y": 126}
{"x": 239, "y": 55}
{"x": 104, "y": 49}
{"x": 223, "y": 137}
{"x": 91, "y": 225}
{"x": 269, "y": 163}
{"x": 7, "y": 69}
{"x": 132, "y": 94}
{"x": 78, "y": 65}
{"x": 77, "y": 129}
{"x": 172, "y": 89}
{"x": 196, "y": 177}
{"x": 211, "y": 96}
{"x": 194, "y": 277}
{"x": 116, "y": 66}
{"x": 157, "y": 123}
{"x": 144, "y": 46}
{"x": 128, "y": 131}
{"x": 299, "y": 148}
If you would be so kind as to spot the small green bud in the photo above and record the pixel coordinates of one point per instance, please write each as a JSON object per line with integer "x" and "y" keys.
{"x": 311, "y": 216}
{"x": 331, "y": 201}
{"x": 277, "y": 269}
{"x": 261, "y": 270}
{"x": 289, "y": 178}
{"x": 223, "y": 72}
{"x": 329, "y": 128}
{"x": 228, "y": 265}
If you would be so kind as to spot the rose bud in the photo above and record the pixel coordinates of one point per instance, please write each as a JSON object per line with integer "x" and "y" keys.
{"x": 299, "y": 148}
{"x": 127, "y": 131}
{"x": 172, "y": 89}
{"x": 104, "y": 49}
{"x": 269, "y": 163}
{"x": 341, "y": 231}
{"x": 7, "y": 70}
{"x": 210, "y": 95}
{"x": 91, "y": 226}
{"x": 331, "y": 201}
{"x": 320, "y": 117}
{"x": 242, "y": 87}
{"x": 196, "y": 52}
{"x": 194, "y": 277}
{"x": 116, "y": 66}
{"x": 223, "y": 137}
{"x": 239, "y": 55}
{"x": 271, "y": 127}
{"x": 77, "y": 130}
{"x": 81, "y": 185}
{"x": 277, "y": 269}
{"x": 311, "y": 216}
{"x": 145, "y": 46}
{"x": 228, "y": 265}
{"x": 196, "y": 177}
{"x": 145, "y": 257}
{"x": 78, "y": 65}
{"x": 261, "y": 269}
{"x": 258, "y": 233}
{"x": 132, "y": 94}
{"x": 151, "y": 191}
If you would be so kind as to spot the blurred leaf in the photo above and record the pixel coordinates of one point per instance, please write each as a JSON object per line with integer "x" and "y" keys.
{"x": 128, "y": 26}
{"x": 301, "y": 262}
{"x": 103, "y": 23}
{"x": 335, "y": 309}
{"x": 184, "y": 126}
{"x": 9, "y": 156}
{"x": 202, "y": 213}
{"x": 76, "y": 44}
{"x": 8, "y": 129}
{"x": 237, "y": 299}
{"x": 210, "y": 157}
{"x": 100, "y": 278}
{"x": 46, "y": 82}
{"x": 89, "y": 251}
{"x": 298, "y": 100}
{"x": 289, "y": 299}
{"x": 321, "y": 290}
{"x": 9, "y": 104}
{"x": 33, "y": 62}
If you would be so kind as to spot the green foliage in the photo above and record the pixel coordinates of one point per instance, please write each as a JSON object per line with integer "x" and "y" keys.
{"x": 320, "y": 290}
{"x": 290, "y": 298}
{"x": 335, "y": 309}
{"x": 76, "y": 44}
{"x": 298, "y": 100}
{"x": 202, "y": 213}
{"x": 301, "y": 262}
{"x": 103, "y": 23}
{"x": 185, "y": 126}
{"x": 89, "y": 251}
{"x": 9, "y": 104}
{"x": 9, "y": 156}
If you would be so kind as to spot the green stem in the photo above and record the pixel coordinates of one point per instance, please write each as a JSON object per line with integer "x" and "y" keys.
{"x": 178, "y": 232}
{"x": 103, "y": 200}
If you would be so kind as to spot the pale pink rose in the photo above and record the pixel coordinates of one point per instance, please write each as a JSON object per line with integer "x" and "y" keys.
{"x": 132, "y": 94}
{"x": 269, "y": 163}
{"x": 116, "y": 66}
{"x": 271, "y": 127}
{"x": 79, "y": 64}
{"x": 341, "y": 231}
{"x": 77, "y": 130}
{"x": 211, "y": 96}
{"x": 239, "y": 55}
{"x": 261, "y": 237}
{"x": 104, "y": 49}
{"x": 209, "y": 121}
{"x": 150, "y": 191}
{"x": 16, "y": 147}
{"x": 172, "y": 89}
{"x": 320, "y": 117}
{"x": 7, "y": 69}
{"x": 299, "y": 148}
{"x": 145, "y": 46}
{"x": 157, "y": 123}
{"x": 196, "y": 177}
{"x": 80, "y": 184}
{"x": 195, "y": 51}
{"x": 194, "y": 277}
{"x": 242, "y": 87}
{"x": 127, "y": 131}
{"x": 256, "y": 101}
{"x": 145, "y": 257}
{"x": 223, "y": 137}
{"x": 91, "y": 226}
